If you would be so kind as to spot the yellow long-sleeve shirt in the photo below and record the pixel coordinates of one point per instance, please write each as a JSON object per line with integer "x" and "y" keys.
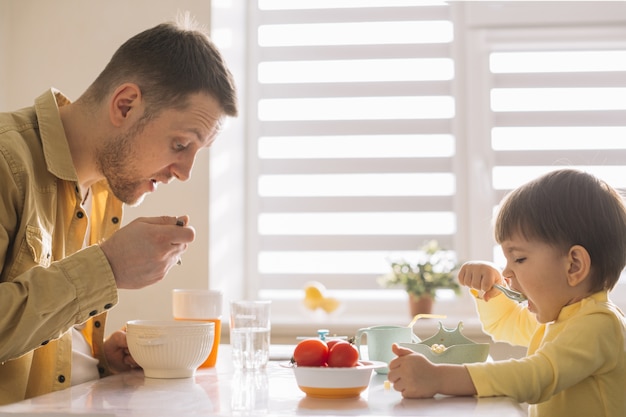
{"x": 575, "y": 366}
{"x": 48, "y": 283}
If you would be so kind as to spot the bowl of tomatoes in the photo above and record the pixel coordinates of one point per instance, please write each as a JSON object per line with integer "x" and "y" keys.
{"x": 331, "y": 369}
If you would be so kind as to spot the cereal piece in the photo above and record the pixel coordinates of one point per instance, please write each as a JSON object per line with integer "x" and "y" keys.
{"x": 387, "y": 385}
{"x": 477, "y": 294}
{"x": 437, "y": 348}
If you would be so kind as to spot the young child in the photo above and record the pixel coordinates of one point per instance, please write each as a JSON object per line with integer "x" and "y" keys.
{"x": 564, "y": 239}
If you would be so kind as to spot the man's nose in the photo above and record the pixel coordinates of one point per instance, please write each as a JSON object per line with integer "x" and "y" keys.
{"x": 182, "y": 169}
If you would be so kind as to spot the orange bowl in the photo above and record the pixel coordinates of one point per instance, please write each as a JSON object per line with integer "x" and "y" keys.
{"x": 327, "y": 382}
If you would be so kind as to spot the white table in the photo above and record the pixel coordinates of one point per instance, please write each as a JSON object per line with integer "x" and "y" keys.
{"x": 221, "y": 391}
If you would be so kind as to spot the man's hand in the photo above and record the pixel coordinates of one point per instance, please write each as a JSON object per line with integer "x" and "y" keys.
{"x": 117, "y": 354}
{"x": 143, "y": 251}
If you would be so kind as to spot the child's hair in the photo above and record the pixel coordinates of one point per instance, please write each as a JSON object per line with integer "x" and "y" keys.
{"x": 565, "y": 208}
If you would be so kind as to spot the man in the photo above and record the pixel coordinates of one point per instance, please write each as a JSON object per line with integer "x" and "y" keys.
{"x": 66, "y": 169}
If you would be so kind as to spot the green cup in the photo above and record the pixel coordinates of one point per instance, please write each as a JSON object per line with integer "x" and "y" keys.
{"x": 379, "y": 341}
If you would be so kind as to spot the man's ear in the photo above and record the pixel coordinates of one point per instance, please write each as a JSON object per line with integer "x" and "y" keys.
{"x": 124, "y": 103}
{"x": 579, "y": 265}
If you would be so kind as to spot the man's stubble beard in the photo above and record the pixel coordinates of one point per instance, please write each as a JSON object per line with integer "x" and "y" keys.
{"x": 115, "y": 161}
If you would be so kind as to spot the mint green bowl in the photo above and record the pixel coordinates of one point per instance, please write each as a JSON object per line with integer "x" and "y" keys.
{"x": 458, "y": 348}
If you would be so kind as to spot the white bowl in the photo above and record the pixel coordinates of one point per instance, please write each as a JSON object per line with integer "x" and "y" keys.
{"x": 169, "y": 349}
{"x": 327, "y": 382}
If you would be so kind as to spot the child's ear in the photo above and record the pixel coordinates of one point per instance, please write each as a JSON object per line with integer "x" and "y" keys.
{"x": 579, "y": 265}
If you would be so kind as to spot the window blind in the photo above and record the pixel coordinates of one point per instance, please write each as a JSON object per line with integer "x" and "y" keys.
{"x": 375, "y": 126}
{"x": 353, "y": 146}
{"x": 557, "y": 101}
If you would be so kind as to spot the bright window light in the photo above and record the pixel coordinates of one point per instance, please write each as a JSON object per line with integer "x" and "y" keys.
{"x": 557, "y": 61}
{"x": 322, "y": 262}
{"x": 558, "y": 138}
{"x": 341, "y": 4}
{"x": 320, "y": 185}
{"x": 357, "y": 70}
{"x": 357, "y": 146}
{"x": 356, "y": 33}
{"x": 557, "y": 99}
{"x": 356, "y": 108}
{"x": 371, "y": 223}
{"x": 509, "y": 177}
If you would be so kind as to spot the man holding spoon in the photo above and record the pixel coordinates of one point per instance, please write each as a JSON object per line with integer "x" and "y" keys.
{"x": 66, "y": 170}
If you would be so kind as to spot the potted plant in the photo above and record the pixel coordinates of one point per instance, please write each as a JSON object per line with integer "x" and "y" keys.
{"x": 435, "y": 269}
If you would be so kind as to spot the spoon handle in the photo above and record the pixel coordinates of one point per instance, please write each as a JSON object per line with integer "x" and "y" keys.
{"x": 513, "y": 295}
{"x": 425, "y": 316}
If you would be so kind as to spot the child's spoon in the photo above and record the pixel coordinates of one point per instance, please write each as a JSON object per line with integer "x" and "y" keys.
{"x": 425, "y": 316}
{"x": 513, "y": 295}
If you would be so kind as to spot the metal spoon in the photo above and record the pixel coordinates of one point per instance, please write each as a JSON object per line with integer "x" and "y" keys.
{"x": 513, "y": 295}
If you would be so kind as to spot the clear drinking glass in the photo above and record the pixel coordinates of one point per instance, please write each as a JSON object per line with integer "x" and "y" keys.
{"x": 250, "y": 333}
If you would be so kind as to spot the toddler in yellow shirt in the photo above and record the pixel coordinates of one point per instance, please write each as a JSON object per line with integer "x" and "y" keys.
{"x": 564, "y": 239}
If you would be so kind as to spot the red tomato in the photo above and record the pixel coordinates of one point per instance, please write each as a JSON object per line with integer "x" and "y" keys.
{"x": 343, "y": 355}
{"x": 332, "y": 343}
{"x": 311, "y": 352}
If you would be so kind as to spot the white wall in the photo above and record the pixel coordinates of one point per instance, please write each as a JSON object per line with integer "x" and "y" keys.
{"x": 65, "y": 44}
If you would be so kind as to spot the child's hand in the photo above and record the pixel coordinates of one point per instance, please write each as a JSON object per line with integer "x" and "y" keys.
{"x": 412, "y": 374}
{"x": 416, "y": 377}
{"x": 481, "y": 276}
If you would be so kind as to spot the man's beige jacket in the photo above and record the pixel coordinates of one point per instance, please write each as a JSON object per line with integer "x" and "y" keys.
{"x": 48, "y": 282}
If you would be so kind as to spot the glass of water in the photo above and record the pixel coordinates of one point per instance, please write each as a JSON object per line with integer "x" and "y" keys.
{"x": 250, "y": 392}
{"x": 250, "y": 333}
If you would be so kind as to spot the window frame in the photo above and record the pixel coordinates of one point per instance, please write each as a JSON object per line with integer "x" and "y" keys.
{"x": 474, "y": 23}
